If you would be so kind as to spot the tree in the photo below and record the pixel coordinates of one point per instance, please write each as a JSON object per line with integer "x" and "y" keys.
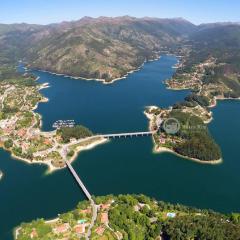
{"x": 8, "y": 143}
{"x": 74, "y": 132}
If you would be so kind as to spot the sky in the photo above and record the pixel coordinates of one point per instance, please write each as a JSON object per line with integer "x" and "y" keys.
{"x": 52, "y": 11}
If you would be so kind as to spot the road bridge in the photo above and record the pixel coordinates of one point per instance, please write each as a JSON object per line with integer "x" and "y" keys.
{"x": 88, "y": 195}
{"x": 125, "y": 135}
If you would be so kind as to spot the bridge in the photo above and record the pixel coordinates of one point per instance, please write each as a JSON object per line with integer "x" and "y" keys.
{"x": 79, "y": 181}
{"x": 125, "y": 135}
{"x": 82, "y": 186}
{"x": 88, "y": 195}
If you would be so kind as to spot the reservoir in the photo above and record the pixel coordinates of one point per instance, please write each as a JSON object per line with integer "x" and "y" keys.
{"x": 122, "y": 165}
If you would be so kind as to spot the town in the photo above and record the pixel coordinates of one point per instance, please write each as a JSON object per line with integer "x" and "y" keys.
{"x": 20, "y": 126}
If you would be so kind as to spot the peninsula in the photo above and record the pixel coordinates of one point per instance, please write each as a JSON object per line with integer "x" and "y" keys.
{"x": 209, "y": 67}
{"x": 20, "y": 126}
{"x": 146, "y": 218}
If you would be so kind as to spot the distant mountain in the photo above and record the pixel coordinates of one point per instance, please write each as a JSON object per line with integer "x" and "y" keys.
{"x": 108, "y": 48}
{"x": 217, "y": 24}
{"x": 103, "y": 47}
{"x": 224, "y": 34}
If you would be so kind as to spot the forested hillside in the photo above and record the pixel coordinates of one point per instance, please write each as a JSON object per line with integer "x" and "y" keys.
{"x": 104, "y": 48}
{"x": 137, "y": 217}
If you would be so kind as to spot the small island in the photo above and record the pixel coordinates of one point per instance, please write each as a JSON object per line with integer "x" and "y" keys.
{"x": 192, "y": 140}
{"x": 20, "y": 126}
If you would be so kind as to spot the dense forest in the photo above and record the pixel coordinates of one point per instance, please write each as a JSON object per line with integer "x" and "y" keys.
{"x": 197, "y": 141}
{"x": 151, "y": 221}
{"x": 76, "y": 132}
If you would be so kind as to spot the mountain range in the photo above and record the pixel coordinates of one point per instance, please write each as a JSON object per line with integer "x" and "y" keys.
{"x": 102, "y": 48}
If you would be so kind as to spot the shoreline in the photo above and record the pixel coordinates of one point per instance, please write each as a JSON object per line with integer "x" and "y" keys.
{"x": 216, "y": 99}
{"x": 50, "y": 167}
{"x": 17, "y": 229}
{"x": 103, "y": 81}
{"x": 160, "y": 150}
{"x": 149, "y": 116}
{"x": 214, "y": 102}
{"x": 88, "y": 147}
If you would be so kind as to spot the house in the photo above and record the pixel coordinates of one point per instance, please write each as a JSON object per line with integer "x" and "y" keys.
{"x": 24, "y": 145}
{"x": 33, "y": 234}
{"x": 21, "y": 133}
{"x": 61, "y": 228}
{"x": 86, "y": 211}
{"x": 47, "y": 141}
{"x": 162, "y": 140}
{"x": 104, "y": 217}
{"x": 80, "y": 228}
{"x": 100, "y": 230}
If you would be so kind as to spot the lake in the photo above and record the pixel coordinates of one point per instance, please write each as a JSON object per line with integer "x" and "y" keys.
{"x": 122, "y": 165}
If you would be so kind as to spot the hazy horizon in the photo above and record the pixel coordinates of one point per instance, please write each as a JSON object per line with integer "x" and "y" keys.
{"x": 55, "y": 11}
{"x": 75, "y": 20}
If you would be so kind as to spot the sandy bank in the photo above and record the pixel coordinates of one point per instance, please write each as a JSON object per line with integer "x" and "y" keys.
{"x": 164, "y": 149}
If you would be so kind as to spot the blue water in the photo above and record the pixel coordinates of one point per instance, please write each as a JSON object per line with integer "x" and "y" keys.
{"x": 125, "y": 165}
{"x": 109, "y": 108}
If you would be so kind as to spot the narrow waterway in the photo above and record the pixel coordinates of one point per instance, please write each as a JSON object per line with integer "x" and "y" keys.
{"x": 125, "y": 165}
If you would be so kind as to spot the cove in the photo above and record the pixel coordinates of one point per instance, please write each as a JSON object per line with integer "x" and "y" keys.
{"x": 124, "y": 165}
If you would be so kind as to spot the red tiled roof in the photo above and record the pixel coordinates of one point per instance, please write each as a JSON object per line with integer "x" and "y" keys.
{"x": 104, "y": 217}
{"x": 100, "y": 230}
{"x": 61, "y": 228}
{"x": 79, "y": 228}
